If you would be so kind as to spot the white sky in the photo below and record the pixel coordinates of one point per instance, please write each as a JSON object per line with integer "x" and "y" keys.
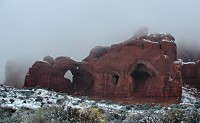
{"x": 34, "y": 28}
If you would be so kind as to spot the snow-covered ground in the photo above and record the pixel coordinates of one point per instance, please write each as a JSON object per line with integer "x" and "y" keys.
{"x": 36, "y": 98}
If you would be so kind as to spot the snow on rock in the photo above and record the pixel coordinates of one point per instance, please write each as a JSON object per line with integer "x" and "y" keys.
{"x": 146, "y": 40}
{"x": 188, "y": 62}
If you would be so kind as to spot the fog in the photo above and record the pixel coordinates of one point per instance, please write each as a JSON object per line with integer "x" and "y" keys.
{"x": 32, "y": 29}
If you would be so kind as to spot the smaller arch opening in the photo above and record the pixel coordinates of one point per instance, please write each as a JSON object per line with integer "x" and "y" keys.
{"x": 68, "y": 75}
{"x": 115, "y": 79}
{"x": 140, "y": 76}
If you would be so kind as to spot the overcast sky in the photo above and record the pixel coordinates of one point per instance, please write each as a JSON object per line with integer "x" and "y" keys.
{"x": 34, "y": 28}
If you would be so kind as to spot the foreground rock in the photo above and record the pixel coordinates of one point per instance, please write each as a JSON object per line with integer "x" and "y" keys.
{"x": 138, "y": 70}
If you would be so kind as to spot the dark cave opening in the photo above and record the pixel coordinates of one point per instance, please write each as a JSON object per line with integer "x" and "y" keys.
{"x": 140, "y": 76}
{"x": 115, "y": 79}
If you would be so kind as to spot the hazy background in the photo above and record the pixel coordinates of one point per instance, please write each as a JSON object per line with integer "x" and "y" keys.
{"x": 31, "y": 29}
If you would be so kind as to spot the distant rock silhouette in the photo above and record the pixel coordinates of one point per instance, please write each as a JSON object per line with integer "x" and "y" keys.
{"x": 15, "y": 72}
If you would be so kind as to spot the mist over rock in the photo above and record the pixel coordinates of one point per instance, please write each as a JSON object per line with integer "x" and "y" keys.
{"x": 188, "y": 52}
{"x": 97, "y": 52}
{"x": 15, "y": 72}
{"x": 49, "y": 59}
{"x": 142, "y": 31}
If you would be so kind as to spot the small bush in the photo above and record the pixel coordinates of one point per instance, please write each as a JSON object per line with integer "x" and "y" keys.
{"x": 60, "y": 101}
{"x": 177, "y": 116}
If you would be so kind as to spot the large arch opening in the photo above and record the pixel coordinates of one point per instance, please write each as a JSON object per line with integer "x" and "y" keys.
{"x": 140, "y": 75}
{"x": 82, "y": 80}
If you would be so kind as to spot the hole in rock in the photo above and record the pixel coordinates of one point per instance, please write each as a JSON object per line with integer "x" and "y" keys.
{"x": 69, "y": 75}
{"x": 140, "y": 75}
{"x": 115, "y": 79}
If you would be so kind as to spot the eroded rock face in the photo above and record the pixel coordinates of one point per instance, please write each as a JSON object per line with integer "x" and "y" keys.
{"x": 141, "y": 68}
{"x": 191, "y": 74}
{"x": 50, "y": 76}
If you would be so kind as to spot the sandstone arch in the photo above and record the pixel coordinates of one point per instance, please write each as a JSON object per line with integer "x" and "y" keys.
{"x": 141, "y": 72}
{"x": 140, "y": 75}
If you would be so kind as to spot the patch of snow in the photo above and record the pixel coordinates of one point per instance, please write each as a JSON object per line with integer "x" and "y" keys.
{"x": 188, "y": 62}
{"x": 44, "y": 61}
{"x": 180, "y": 62}
{"x": 146, "y": 40}
{"x": 170, "y": 79}
{"x": 166, "y": 40}
{"x": 188, "y": 97}
{"x": 166, "y": 56}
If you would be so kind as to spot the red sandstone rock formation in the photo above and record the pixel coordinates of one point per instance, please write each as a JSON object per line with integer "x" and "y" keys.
{"x": 190, "y": 55}
{"x": 136, "y": 69}
{"x": 52, "y": 76}
{"x": 191, "y": 74}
